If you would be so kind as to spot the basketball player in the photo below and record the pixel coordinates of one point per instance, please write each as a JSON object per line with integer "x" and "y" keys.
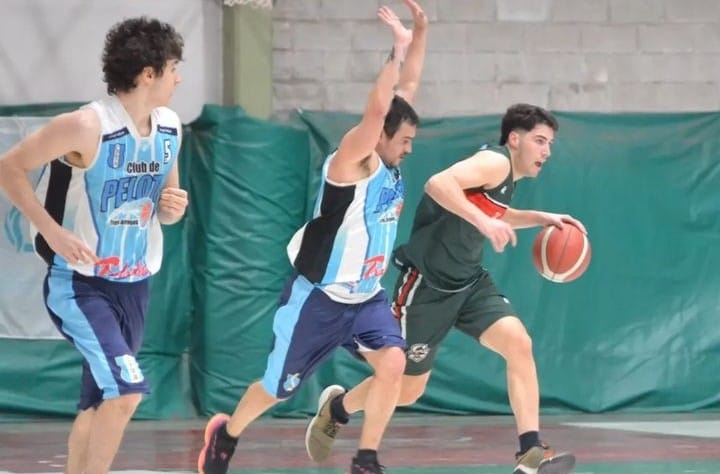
{"x": 335, "y": 298}
{"x": 442, "y": 283}
{"x": 112, "y": 179}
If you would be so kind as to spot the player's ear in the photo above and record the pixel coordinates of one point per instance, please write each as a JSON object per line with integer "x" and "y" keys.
{"x": 514, "y": 139}
{"x": 147, "y": 74}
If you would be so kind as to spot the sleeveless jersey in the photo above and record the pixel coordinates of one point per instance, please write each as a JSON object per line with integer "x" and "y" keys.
{"x": 111, "y": 204}
{"x": 444, "y": 247}
{"x": 346, "y": 247}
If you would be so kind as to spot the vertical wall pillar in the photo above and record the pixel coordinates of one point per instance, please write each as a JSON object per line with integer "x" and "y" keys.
{"x": 247, "y": 59}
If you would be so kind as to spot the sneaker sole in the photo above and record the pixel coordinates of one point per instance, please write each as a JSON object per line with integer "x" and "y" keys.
{"x": 325, "y": 395}
{"x": 211, "y": 426}
{"x": 562, "y": 463}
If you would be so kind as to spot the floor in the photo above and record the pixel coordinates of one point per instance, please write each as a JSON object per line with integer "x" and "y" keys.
{"x": 413, "y": 445}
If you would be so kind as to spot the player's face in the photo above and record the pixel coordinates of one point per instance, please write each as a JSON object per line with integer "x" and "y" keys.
{"x": 535, "y": 148}
{"x": 164, "y": 85}
{"x": 393, "y": 150}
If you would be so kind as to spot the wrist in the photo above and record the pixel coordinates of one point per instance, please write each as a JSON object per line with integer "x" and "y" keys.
{"x": 169, "y": 218}
{"x": 542, "y": 218}
{"x": 398, "y": 52}
{"x": 45, "y": 224}
{"x": 479, "y": 219}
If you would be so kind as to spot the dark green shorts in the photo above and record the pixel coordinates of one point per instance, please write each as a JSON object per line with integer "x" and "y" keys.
{"x": 427, "y": 315}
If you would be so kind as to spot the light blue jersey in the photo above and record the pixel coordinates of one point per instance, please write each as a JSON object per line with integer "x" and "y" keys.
{"x": 346, "y": 247}
{"x": 112, "y": 204}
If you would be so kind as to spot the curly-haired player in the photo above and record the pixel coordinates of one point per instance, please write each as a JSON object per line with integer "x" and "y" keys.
{"x": 111, "y": 178}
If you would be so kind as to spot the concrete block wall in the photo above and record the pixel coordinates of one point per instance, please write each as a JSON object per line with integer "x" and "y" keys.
{"x": 575, "y": 55}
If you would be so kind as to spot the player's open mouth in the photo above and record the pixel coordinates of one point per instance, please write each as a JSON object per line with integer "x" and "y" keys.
{"x": 538, "y": 164}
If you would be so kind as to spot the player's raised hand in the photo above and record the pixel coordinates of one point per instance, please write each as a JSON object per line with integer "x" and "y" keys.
{"x": 420, "y": 19}
{"x": 402, "y": 35}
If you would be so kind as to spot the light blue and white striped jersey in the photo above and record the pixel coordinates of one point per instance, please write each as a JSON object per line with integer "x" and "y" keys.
{"x": 346, "y": 247}
{"x": 111, "y": 204}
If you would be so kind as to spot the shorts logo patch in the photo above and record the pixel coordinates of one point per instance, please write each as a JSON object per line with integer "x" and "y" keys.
{"x": 291, "y": 382}
{"x": 129, "y": 369}
{"x": 418, "y": 352}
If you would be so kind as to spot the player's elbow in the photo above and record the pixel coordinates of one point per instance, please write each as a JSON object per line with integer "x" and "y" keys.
{"x": 434, "y": 184}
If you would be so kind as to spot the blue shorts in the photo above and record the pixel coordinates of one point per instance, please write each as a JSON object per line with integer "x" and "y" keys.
{"x": 104, "y": 320}
{"x": 309, "y": 326}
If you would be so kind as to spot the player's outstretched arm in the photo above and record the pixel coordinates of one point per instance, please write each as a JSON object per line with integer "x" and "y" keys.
{"x": 361, "y": 140}
{"x": 522, "y": 219}
{"x": 412, "y": 69}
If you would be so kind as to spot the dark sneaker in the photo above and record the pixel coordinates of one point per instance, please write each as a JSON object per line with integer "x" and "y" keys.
{"x": 322, "y": 429}
{"x": 215, "y": 455}
{"x": 372, "y": 468}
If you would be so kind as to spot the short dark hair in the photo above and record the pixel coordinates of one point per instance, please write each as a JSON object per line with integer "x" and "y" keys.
{"x": 525, "y": 117}
{"x": 134, "y": 44}
{"x": 400, "y": 111}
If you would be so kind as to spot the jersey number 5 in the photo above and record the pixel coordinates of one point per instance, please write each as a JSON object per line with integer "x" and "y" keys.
{"x": 167, "y": 154}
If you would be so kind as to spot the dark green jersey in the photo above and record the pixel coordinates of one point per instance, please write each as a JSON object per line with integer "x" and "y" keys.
{"x": 447, "y": 249}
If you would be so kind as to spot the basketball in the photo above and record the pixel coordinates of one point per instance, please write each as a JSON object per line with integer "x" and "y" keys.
{"x": 561, "y": 255}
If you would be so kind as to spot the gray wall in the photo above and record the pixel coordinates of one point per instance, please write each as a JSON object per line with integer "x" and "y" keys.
{"x": 50, "y": 49}
{"x": 580, "y": 55}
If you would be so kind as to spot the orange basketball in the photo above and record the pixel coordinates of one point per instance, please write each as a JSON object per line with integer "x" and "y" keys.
{"x": 561, "y": 255}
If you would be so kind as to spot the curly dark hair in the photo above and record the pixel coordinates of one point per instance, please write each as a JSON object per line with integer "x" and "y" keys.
{"x": 134, "y": 44}
{"x": 525, "y": 117}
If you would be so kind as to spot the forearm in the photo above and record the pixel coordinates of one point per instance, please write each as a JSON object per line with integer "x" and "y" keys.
{"x": 451, "y": 196}
{"x": 413, "y": 66}
{"x": 14, "y": 182}
{"x": 522, "y": 219}
{"x": 382, "y": 93}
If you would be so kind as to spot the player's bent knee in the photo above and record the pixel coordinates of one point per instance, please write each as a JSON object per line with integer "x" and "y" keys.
{"x": 391, "y": 364}
{"x": 125, "y": 404}
{"x": 509, "y": 338}
{"x": 519, "y": 346}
